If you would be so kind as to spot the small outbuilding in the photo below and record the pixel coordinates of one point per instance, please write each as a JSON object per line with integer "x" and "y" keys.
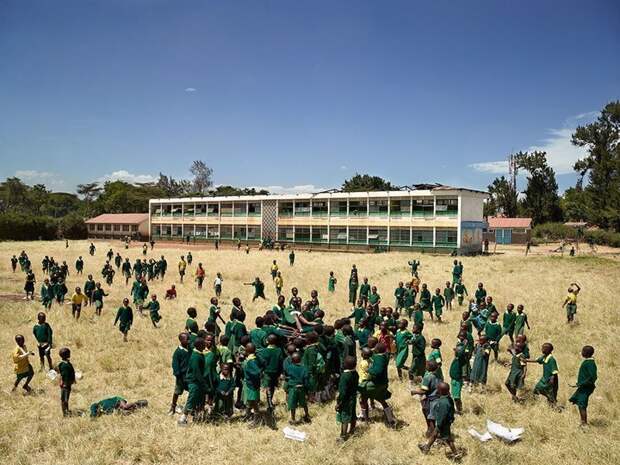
{"x": 119, "y": 226}
{"x": 508, "y": 230}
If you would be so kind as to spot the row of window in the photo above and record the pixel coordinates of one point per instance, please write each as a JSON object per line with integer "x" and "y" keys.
{"x": 112, "y": 227}
{"x": 223, "y": 231}
{"x": 342, "y": 235}
{"x": 208, "y": 209}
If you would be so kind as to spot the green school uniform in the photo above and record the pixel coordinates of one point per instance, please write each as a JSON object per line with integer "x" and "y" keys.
{"x": 550, "y": 368}
{"x": 418, "y": 318}
{"x": 456, "y": 377}
{"x": 399, "y": 294}
{"x": 180, "y": 362}
{"x": 47, "y": 295}
{"x": 346, "y": 399}
{"x": 481, "y": 363}
{"x": 403, "y": 339}
{"x": 234, "y": 330}
{"x": 67, "y": 375}
{"x": 435, "y": 356}
{"x": 448, "y": 294}
{"x": 105, "y": 406}
{"x": 515, "y": 376}
{"x": 124, "y": 316}
{"x": 461, "y": 292}
{"x": 297, "y": 383}
{"x": 251, "y": 379}
{"x": 362, "y": 335}
{"x": 278, "y": 311}
{"x": 480, "y": 295}
{"x": 438, "y": 302}
{"x": 43, "y": 334}
{"x": 443, "y": 413}
{"x": 257, "y": 337}
{"x": 418, "y": 348}
{"x": 259, "y": 289}
{"x": 153, "y": 308}
{"x": 425, "y": 300}
{"x": 271, "y": 358}
{"x": 311, "y": 359}
{"x": 377, "y": 387}
{"x": 212, "y": 318}
{"x": 364, "y": 291}
{"x": 358, "y": 314}
{"x": 586, "y": 383}
{"x": 210, "y": 373}
{"x": 508, "y": 322}
{"x": 520, "y": 323}
{"x": 196, "y": 382}
{"x": 373, "y": 299}
{"x": 331, "y": 284}
{"x": 224, "y": 396}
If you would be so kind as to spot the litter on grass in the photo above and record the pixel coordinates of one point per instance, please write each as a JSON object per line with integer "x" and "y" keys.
{"x": 498, "y": 430}
{"x": 294, "y": 434}
{"x": 481, "y": 437}
{"x": 52, "y": 375}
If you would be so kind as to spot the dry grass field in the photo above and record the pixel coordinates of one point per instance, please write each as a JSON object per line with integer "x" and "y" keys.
{"x": 33, "y": 432}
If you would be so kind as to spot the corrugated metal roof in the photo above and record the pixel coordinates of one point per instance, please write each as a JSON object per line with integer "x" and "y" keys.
{"x": 499, "y": 222}
{"x": 119, "y": 218}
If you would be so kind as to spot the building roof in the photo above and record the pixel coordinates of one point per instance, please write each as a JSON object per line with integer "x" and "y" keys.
{"x": 499, "y": 222}
{"x": 119, "y": 218}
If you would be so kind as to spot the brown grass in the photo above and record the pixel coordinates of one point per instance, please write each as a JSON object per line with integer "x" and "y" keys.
{"x": 33, "y": 432}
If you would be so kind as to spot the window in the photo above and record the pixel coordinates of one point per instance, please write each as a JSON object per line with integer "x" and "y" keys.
{"x": 91, "y": 227}
{"x": 254, "y": 233}
{"x": 166, "y": 230}
{"x": 240, "y": 232}
{"x": 447, "y": 207}
{"x": 423, "y": 207}
{"x": 177, "y": 230}
{"x": 400, "y": 207}
{"x": 156, "y": 230}
{"x": 302, "y": 234}
{"x": 286, "y": 233}
{"x": 188, "y": 209}
{"x": 177, "y": 210}
{"x": 357, "y": 235}
{"x": 358, "y": 207}
{"x": 254, "y": 209}
{"x": 399, "y": 236}
{"x": 422, "y": 237}
{"x": 319, "y": 208}
{"x": 302, "y": 208}
{"x": 377, "y": 236}
{"x": 213, "y": 209}
{"x": 200, "y": 209}
{"x": 319, "y": 234}
{"x": 117, "y": 227}
{"x": 338, "y": 235}
{"x": 201, "y": 231}
{"x": 108, "y": 227}
{"x": 226, "y": 231}
{"x": 240, "y": 209}
{"x": 213, "y": 232}
{"x": 285, "y": 209}
{"x": 134, "y": 227}
{"x": 445, "y": 237}
{"x": 226, "y": 209}
{"x": 338, "y": 208}
{"x": 166, "y": 210}
{"x": 156, "y": 209}
{"x": 126, "y": 227}
{"x": 378, "y": 207}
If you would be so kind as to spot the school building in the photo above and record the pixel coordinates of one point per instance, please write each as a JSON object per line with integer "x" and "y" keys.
{"x": 508, "y": 230}
{"x": 432, "y": 217}
{"x": 119, "y": 226}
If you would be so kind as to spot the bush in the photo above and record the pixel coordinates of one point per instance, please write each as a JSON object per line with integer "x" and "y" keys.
{"x": 21, "y": 227}
{"x": 72, "y": 226}
{"x": 559, "y": 231}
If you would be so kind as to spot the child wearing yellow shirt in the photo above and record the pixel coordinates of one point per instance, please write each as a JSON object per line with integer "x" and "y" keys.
{"x": 22, "y": 367}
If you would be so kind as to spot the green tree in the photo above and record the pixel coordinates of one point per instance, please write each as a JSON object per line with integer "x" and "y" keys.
{"x": 89, "y": 192}
{"x": 541, "y": 202}
{"x": 365, "y": 182}
{"x": 601, "y": 167}
{"x": 174, "y": 188}
{"x": 574, "y": 204}
{"x": 502, "y": 200}
{"x": 202, "y": 177}
{"x": 231, "y": 190}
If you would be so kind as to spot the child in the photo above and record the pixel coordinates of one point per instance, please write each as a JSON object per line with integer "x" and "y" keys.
{"x": 443, "y": 413}
{"x": 456, "y": 371}
{"x": 347, "y": 398}
{"x": 153, "y": 308}
{"x": 435, "y": 356}
{"x": 77, "y": 299}
{"x": 217, "y": 285}
{"x": 180, "y": 362}
{"x": 43, "y": 334}
{"x": 67, "y": 379}
{"x": 364, "y": 291}
{"x": 493, "y": 332}
{"x": 196, "y": 382}
{"x": 331, "y": 282}
{"x": 548, "y": 383}
{"x": 522, "y": 338}
{"x": 274, "y": 269}
{"x": 271, "y": 358}
{"x": 47, "y": 294}
{"x": 586, "y": 383}
{"x": 448, "y": 295}
{"x": 251, "y": 382}
{"x": 461, "y": 292}
{"x": 518, "y": 371}
{"x": 437, "y": 302}
{"x": 89, "y": 287}
{"x": 171, "y": 293}
{"x": 291, "y": 257}
{"x": 508, "y": 322}
{"x": 182, "y": 266}
{"x": 428, "y": 391}
{"x": 571, "y": 302}
{"x": 297, "y": 384}
{"x": 125, "y": 316}
{"x": 425, "y": 300}
{"x": 481, "y": 362}
{"x": 200, "y": 275}
{"x": 399, "y": 295}
{"x": 480, "y": 294}
{"x": 22, "y": 367}
{"x": 521, "y": 321}
{"x": 259, "y": 289}
{"x": 418, "y": 348}
{"x": 97, "y": 296}
{"x": 224, "y": 394}
{"x": 214, "y": 315}
{"x": 403, "y": 339}
{"x": 374, "y": 299}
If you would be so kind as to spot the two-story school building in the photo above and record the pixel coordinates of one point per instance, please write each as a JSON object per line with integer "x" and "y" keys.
{"x": 434, "y": 217}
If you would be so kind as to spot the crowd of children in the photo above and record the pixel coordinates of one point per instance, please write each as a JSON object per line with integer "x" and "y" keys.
{"x": 230, "y": 366}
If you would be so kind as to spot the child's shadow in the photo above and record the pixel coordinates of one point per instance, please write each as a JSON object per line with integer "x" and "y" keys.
{"x": 599, "y": 423}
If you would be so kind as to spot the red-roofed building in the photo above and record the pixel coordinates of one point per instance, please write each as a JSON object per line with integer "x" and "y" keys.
{"x": 119, "y": 226}
{"x": 508, "y": 230}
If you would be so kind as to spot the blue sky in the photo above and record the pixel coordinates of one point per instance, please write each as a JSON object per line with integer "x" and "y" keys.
{"x": 298, "y": 95}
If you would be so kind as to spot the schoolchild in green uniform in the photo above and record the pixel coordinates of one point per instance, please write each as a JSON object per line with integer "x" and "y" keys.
{"x": 258, "y": 334}
{"x": 399, "y": 295}
{"x": 418, "y": 316}
{"x": 508, "y": 322}
{"x": 480, "y": 367}
{"x": 314, "y": 362}
{"x": 67, "y": 379}
{"x": 521, "y": 321}
{"x": 443, "y": 413}
{"x": 374, "y": 299}
{"x": 403, "y": 339}
{"x": 271, "y": 358}
{"x": 347, "y": 398}
{"x": 124, "y": 315}
{"x": 47, "y": 294}
{"x": 448, "y": 295}
{"x": 461, "y": 291}
{"x": 297, "y": 384}
{"x": 196, "y": 382}
{"x": 425, "y": 300}
{"x": 224, "y": 396}
{"x": 43, "y": 334}
{"x": 437, "y": 302}
{"x": 456, "y": 371}
{"x": 235, "y": 330}
{"x": 456, "y": 273}
{"x": 211, "y": 355}
{"x": 89, "y": 287}
{"x": 153, "y": 308}
{"x": 518, "y": 371}
{"x": 435, "y": 355}
{"x": 586, "y": 383}
{"x": 480, "y": 294}
{"x": 97, "y": 298}
{"x": 364, "y": 291}
{"x": 331, "y": 282}
{"x": 493, "y": 332}
{"x": 429, "y": 394}
{"x": 548, "y": 383}
{"x": 180, "y": 362}
{"x": 252, "y": 371}
{"x": 418, "y": 348}
{"x": 468, "y": 342}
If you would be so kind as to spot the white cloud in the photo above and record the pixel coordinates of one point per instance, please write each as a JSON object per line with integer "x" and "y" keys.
{"x": 123, "y": 175}
{"x": 302, "y": 189}
{"x": 190, "y": 89}
{"x": 494, "y": 167}
{"x": 344, "y": 167}
{"x": 51, "y": 180}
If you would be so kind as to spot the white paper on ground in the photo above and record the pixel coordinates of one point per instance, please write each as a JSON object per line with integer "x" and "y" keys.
{"x": 507, "y": 434}
{"x": 481, "y": 437}
{"x": 52, "y": 375}
{"x": 294, "y": 434}
{"x": 78, "y": 375}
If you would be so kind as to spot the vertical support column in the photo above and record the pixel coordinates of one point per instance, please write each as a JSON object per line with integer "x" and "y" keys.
{"x": 329, "y": 218}
{"x": 389, "y": 228}
{"x": 434, "y": 236}
{"x": 458, "y": 224}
